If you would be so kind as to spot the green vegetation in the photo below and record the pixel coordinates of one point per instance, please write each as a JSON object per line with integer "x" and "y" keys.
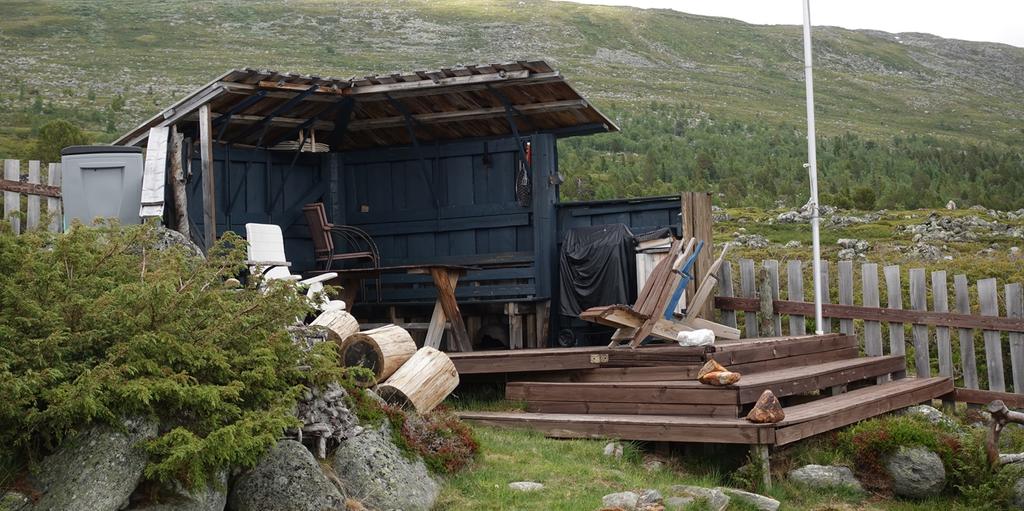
{"x": 710, "y": 103}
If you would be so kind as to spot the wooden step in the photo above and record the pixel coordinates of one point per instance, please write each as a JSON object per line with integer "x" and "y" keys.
{"x": 834, "y": 412}
{"x": 692, "y": 397}
{"x": 801, "y": 421}
{"x": 560, "y": 359}
{"x": 750, "y": 351}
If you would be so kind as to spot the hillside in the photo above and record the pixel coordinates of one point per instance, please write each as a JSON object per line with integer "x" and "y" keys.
{"x": 703, "y": 102}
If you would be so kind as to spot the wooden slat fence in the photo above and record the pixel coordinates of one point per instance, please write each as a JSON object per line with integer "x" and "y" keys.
{"x": 985, "y": 357}
{"x": 27, "y": 215}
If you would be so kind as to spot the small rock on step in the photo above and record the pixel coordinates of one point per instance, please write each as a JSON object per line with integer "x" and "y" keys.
{"x": 767, "y": 409}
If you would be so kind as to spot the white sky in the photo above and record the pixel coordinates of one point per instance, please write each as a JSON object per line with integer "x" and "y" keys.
{"x": 974, "y": 20}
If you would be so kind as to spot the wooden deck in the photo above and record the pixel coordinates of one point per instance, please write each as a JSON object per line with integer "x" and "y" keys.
{"x": 651, "y": 394}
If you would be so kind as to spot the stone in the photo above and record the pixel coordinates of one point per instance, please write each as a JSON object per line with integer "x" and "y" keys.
{"x": 287, "y": 478}
{"x": 825, "y": 476}
{"x": 97, "y": 470}
{"x": 1017, "y": 500}
{"x": 916, "y": 472}
{"x": 214, "y": 497}
{"x": 613, "y": 449}
{"x": 678, "y": 503}
{"x": 767, "y": 409}
{"x": 370, "y": 465}
{"x": 951, "y": 205}
{"x": 167, "y": 238}
{"x": 713, "y": 373}
{"x": 760, "y": 502}
{"x": 792, "y": 244}
{"x": 652, "y": 463}
{"x": 715, "y": 498}
{"x": 626, "y": 500}
{"x": 847, "y": 254}
{"x": 525, "y": 486}
{"x": 648, "y": 498}
{"x": 751, "y": 240}
{"x": 847, "y": 242}
{"x": 932, "y": 415}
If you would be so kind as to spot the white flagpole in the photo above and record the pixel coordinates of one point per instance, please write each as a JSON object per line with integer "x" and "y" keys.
{"x": 812, "y": 168}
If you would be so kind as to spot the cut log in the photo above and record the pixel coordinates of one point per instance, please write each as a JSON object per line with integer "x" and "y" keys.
{"x": 340, "y": 324}
{"x": 382, "y": 350}
{"x": 422, "y": 382}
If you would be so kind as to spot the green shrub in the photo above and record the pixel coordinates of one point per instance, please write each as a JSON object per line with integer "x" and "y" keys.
{"x": 96, "y": 325}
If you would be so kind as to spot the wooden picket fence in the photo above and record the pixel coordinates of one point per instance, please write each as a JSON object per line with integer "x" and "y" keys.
{"x": 15, "y": 184}
{"x": 931, "y": 319}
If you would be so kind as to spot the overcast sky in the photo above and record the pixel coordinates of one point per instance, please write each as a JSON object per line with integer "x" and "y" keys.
{"x": 974, "y": 20}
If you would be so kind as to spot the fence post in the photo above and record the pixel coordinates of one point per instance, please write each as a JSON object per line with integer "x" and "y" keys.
{"x": 12, "y": 200}
{"x": 919, "y": 302}
{"x": 897, "y": 339}
{"x": 968, "y": 360}
{"x": 795, "y": 293}
{"x": 748, "y": 288}
{"x": 1015, "y": 309}
{"x": 771, "y": 267}
{"x": 826, "y": 297}
{"x": 846, "y": 294}
{"x": 872, "y": 329}
{"x": 988, "y": 297}
{"x": 940, "y": 300}
{"x": 725, "y": 289}
{"x": 32, "y": 215}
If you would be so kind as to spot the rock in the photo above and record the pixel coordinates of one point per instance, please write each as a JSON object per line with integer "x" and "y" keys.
{"x": 167, "y": 238}
{"x": 846, "y": 242}
{"x": 97, "y": 470}
{"x": 678, "y": 503}
{"x": 924, "y": 251}
{"x": 287, "y": 478}
{"x": 847, "y": 254}
{"x": 715, "y": 498}
{"x": 1018, "y": 494}
{"x": 951, "y": 205}
{"x": 916, "y": 472}
{"x": 326, "y": 419}
{"x": 861, "y": 246}
{"x": 626, "y": 500}
{"x": 713, "y": 373}
{"x": 932, "y": 415}
{"x": 526, "y": 486}
{"x": 767, "y": 409}
{"x": 648, "y": 498}
{"x": 825, "y": 476}
{"x": 370, "y": 465}
{"x": 212, "y": 498}
{"x": 760, "y": 502}
{"x": 652, "y": 463}
{"x": 751, "y": 240}
{"x": 613, "y": 449}
{"x": 792, "y": 244}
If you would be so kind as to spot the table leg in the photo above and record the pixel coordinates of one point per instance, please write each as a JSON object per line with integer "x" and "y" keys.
{"x": 349, "y": 292}
{"x": 445, "y": 282}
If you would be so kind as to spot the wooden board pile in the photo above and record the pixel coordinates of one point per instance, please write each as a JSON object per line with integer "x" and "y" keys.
{"x": 405, "y": 376}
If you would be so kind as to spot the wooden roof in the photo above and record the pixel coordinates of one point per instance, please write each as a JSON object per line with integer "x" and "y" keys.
{"x": 261, "y": 108}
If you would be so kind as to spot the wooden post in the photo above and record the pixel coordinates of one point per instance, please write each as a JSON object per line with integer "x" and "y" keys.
{"x": 872, "y": 329}
{"x": 444, "y": 281}
{"x": 12, "y": 200}
{"x": 178, "y": 191}
{"x": 846, "y": 293}
{"x": 697, "y": 224}
{"x": 795, "y": 293}
{"x": 53, "y": 208}
{"x": 767, "y": 307}
{"x": 988, "y": 297}
{"x": 32, "y": 215}
{"x": 748, "y": 289}
{"x": 967, "y": 356}
{"x": 515, "y": 326}
{"x": 209, "y": 184}
{"x": 940, "y": 300}
{"x": 1015, "y": 309}
{"x": 759, "y": 455}
{"x": 771, "y": 266}
{"x": 919, "y": 302}
{"x": 897, "y": 337}
{"x": 543, "y": 317}
{"x": 725, "y": 289}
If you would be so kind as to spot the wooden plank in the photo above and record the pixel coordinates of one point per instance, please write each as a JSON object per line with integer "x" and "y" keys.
{"x": 869, "y": 290}
{"x": 747, "y": 351}
{"x": 826, "y": 297}
{"x": 32, "y": 213}
{"x": 598, "y": 407}
{"x": 802, "y": 380}
{"x": 984, "y": 397}
{"x": 846, "y": 294}
{"x": 1015, "y": 309}
{"x": 515, "y": 326}
{"x": 771, "y": 266}
{"x": 154, "y": 175}
{"x": 445, "y": 282}
{"x": 622, "y": 392}
{"x": 897, "y": 337}
{"x": 698, "y": 225}
{"x": 795, "y": 293}
{"x": 12, "y": 200}
{"x": 209, "y": 181}
{"x": 919, "y": 302}
{"x": 968, "y": 359}
{"x": 53, "y": 205}
{"x": 940, "y": 302}
{"x": 748, "y": 289}
{"x": 725, "y": 289}
{"x": 28, "y": 188}
{"x": 988, "y": 298}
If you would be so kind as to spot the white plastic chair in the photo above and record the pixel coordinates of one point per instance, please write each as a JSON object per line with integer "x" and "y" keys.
{"x": 267, "y": 259}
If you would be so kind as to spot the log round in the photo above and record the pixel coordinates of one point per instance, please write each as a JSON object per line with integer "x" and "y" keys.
{"x": 422, "y": 382}
{"x": 382, "y": 350}
{"x": 339, "y": 323}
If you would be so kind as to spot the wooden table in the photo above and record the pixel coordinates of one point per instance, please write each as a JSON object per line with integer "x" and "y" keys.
{"x": 446, "y": 308}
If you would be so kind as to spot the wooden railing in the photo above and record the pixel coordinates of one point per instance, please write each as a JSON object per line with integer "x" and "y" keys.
{"x": 945, "y": 339}
{"x": 15, "y": 184}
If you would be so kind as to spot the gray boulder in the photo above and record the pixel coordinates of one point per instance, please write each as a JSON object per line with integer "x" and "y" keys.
{"x": 1017, "y": 501}
{"x": 716, "y": 500}
{"x": 526, "y": 486}
{"x": 288, "y": 478}
{"x": 825, "y": 476}
{"x": 649, "y": 498}
{"x": 98, "y": 470}
{"x": 760, "y": 502}
{"x": 678, "y": 503}
{"x": 626, "y": 500}
{"x": 371, "y": 468}
{"x": 916, "y": 472}
{"x": 932, "y": 415}
{"x": 214, "y": 497}
{"x": 167, "y": 238}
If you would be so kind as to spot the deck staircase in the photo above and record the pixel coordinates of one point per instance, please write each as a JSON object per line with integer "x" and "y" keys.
{"x": 821, "y": 381}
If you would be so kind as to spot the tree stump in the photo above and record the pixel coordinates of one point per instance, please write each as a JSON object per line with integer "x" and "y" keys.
{"x": 339, "y": 324}
{"x": 382, "y": 350}
{"x": 422, "y": 382}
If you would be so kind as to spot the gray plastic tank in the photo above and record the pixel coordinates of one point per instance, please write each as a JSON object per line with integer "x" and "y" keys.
{"x": 101, "y": 182}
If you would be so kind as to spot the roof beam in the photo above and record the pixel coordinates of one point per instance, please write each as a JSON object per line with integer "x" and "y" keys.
{"x": 283, "y": 108}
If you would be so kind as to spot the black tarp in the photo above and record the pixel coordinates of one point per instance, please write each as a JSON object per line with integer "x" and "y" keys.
{"x": 597, "y": 267}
